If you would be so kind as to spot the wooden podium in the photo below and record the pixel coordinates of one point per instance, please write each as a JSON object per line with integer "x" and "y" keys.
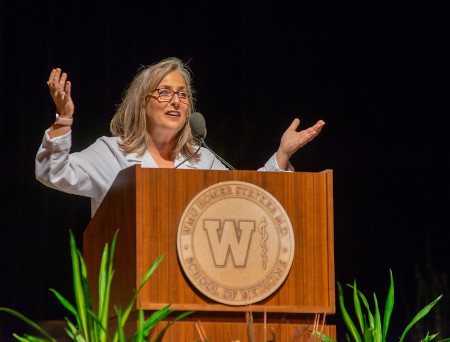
{"x": 146, "y": 206}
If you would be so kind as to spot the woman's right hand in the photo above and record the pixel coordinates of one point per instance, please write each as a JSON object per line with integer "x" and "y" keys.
{"x": 60, "y": 91}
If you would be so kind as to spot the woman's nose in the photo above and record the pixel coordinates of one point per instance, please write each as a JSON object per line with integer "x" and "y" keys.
{"x": 175, "y": 100}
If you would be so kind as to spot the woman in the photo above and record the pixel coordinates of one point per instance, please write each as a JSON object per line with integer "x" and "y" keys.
{"x": 150, "y": 128}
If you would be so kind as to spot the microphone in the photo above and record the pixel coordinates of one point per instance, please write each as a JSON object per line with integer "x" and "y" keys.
{"x": 198, "y": 127}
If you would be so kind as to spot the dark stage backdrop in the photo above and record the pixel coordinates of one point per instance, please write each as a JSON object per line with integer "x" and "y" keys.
{"x": 376, "y": 73}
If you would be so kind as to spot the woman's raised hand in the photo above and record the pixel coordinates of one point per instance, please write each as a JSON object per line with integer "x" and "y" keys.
{"x": 292, "y": 140}
{"x": 60, "y": 91}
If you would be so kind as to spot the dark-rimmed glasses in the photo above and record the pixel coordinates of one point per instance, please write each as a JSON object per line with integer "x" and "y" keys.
{"x": 167, "y": 95}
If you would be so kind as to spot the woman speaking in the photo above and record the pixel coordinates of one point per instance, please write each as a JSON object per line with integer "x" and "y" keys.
{"x": 150, "y": 128}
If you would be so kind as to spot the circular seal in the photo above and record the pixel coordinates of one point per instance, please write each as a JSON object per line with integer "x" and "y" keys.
{"x": 235, "y": 243}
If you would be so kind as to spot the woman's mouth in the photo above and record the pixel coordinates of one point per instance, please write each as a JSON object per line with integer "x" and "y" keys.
{"x": 173, "y": 113}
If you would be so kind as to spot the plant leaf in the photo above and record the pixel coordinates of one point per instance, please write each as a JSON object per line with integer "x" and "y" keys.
{"x": 65, "y": 303}
{"x": 32, "y": 338}
{"x": 113, "y": 248}
{"x": 322, "y": 336}
{"x": 74, "y": 333}
{"x": 78, "y": 287}
{"x": 91, "y": 323}
{"x": 147, "y": 275}
{"x": 183, "y": 315}
{"x": 348, "y": 321}
{"x": 422, "y": 313}
{"x": 358, "y": 310}
{"x": 428, "y": 337}
{"x": 140, "y": 332}
{"x": 105, "y": 293}
{"x": 377, "y": 332}
{"x": 102, "y": 283}
{"x": 29, "y": 322}
{"x": 157, "y": 317}
{"x": 20, "y": 338}
{"x": 369, "y": 335}
{"x": 71, "y": 331}
{"x": 388, "y": 308}
{"x": 366, "y": 304}
{"x": 163, "y": 331}
{"x": 120, "y": 332}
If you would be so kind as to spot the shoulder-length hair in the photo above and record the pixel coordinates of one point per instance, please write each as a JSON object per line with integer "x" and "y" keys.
{"x": 129, "y": 122}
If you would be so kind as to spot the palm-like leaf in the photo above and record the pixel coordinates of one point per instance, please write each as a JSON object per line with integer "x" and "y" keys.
{"x": 127, "y": 311}
{"x": 73, "y": 332}
{"x": 369, "y": 335}
{"x": 348, "y": 321}
{"x": 140, "y": 333}
{"x": 422, "y": 313}
{"x": 163, "y": 331}
{"x": 103, "y": 290}
{"x": 91, "y": 327}
{"x": 366, "y": 304}
{"x": 358, "y": 311}
{"x": 388, "y": 308}
{"x": 105, "y": 279}
{"x": 120, "y": 332}
{"x": 65, "y": 303}
{"x": 25, "y": 338}
{"x": 322, "y": 336}
{"x": 78, "y": 287}
{"x": 29, "y": 322}
{"x": 377, "y": 332}
{"x": 157, "y": 317}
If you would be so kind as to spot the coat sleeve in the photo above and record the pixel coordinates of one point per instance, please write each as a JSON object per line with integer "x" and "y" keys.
{"x": 272, "y": 165}
{"x": 88, "y": 173}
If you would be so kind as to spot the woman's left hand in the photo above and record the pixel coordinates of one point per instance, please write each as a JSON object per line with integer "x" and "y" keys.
{"x": 292, "y": 140}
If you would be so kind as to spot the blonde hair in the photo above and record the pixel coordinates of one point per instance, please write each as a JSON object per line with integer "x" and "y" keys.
{"x": 129, "y": 122}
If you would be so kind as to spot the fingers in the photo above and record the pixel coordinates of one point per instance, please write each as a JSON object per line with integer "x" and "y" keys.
{"x": 305, "y": 136}
{"x": 320, "y": 123}
{"x": 50, "y": 77}
{"x": 58, "y": 85}
{"x": 314, "y": 131}
{"x": 292, "y": 140}
{"x": 68, "y": 88}
{"x": 54, "y": 78}
{"x": 294, "y": 125}
{"x": 318, "y": 126}
{"x": 57, "y": 80}
{"x": 62, "y": 82}
{"x": 60, "y": 91}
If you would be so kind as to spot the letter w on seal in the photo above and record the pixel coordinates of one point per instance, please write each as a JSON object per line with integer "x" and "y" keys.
{"x": 228, "y": 242}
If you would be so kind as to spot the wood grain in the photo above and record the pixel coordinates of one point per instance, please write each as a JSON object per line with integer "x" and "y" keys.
{"x": 146, "y": 205}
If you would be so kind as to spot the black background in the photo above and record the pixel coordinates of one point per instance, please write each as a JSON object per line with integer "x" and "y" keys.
{"x": 377, "y": 74}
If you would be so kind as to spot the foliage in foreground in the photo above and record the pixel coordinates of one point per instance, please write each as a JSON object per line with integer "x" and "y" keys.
{"x": 369, "y": 327}
{"x": 92, "y": 327}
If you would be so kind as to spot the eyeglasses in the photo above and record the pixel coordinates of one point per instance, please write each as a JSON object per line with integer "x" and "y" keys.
{"x": 168, "y": 94}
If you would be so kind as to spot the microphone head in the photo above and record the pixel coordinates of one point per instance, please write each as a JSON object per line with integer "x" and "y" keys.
{"x": 198, "y": 125}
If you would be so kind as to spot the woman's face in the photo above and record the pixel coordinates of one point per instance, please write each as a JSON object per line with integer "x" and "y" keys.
{"x": 166, "y": 118}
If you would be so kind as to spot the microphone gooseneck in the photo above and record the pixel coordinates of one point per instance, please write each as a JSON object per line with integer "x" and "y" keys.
{"x": 198, "y": 127}
{"x": 202, "y": 142}
{"x": 186, "y": 159}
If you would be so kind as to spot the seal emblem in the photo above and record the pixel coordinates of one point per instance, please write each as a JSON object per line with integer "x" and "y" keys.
{"x": 235, "y": 243}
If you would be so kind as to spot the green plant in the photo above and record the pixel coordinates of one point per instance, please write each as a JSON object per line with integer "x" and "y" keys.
{"x": 91, "y": 327}
{"x": 429, "y": 282}
{"x": 370, "y": 326}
